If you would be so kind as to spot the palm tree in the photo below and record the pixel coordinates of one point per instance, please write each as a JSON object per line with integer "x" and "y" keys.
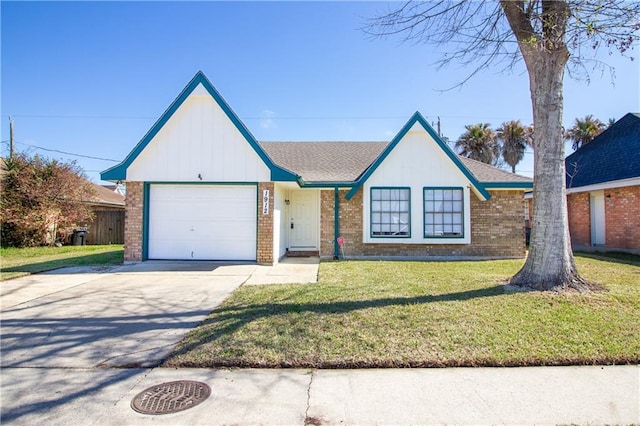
{"x": 584, "y": 131}
{"x": 478, "y": 142}
{"x": 514, "y": 138}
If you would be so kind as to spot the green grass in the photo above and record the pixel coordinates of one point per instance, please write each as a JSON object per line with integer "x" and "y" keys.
{"x": 420, "y": 314}
{"x": 17, "y": 262}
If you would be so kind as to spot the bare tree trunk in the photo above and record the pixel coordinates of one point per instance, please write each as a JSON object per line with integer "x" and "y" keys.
{"x": 550, "y": 263}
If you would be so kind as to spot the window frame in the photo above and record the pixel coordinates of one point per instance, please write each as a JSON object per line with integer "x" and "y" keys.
{"x": 424, "y": 212}
{"x": 371, "y": 212}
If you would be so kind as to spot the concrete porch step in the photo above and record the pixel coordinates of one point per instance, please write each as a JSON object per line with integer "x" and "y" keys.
{"x": 302, "y": 253}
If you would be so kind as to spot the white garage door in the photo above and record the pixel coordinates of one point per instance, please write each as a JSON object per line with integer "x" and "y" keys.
{"x": 202, "y": 222}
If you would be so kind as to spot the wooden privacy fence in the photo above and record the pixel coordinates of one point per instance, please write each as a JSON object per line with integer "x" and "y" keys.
{"x": 107, "y": 227}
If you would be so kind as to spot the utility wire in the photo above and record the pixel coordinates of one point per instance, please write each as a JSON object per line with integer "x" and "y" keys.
{"x": 69, "y": 153}
{"x": 117, "y": 117}
{"x": 383, "y": 117}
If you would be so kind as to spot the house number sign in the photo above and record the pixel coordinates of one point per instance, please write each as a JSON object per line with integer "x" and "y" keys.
{"x": 265, "y": 201}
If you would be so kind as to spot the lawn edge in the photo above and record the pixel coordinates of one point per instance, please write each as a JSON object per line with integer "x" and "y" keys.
{"x": 349, "y": 365}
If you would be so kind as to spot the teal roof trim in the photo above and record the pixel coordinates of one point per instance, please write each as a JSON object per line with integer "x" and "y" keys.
{"x": 508, "y": 185}
{"x": 328, "y": 184}
{"x": 418, "y": 118}
{"x": 119, "y": 172}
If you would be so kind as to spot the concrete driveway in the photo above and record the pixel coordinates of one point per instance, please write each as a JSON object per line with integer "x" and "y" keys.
{"x": 128, "y": 316}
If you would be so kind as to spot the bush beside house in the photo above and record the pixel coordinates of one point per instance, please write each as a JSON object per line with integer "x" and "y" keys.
{"x": 42, "y": 199}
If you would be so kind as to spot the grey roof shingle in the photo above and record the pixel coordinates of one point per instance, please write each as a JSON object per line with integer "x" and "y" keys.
{"x": 611, "y": 156}
{"x": 324, "y": 161}
{"x": 346, "y": 161}
{"x": 486, "y": 173}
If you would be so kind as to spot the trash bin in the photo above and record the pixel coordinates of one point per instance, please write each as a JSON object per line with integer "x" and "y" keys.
{"x": 79, "y": 237}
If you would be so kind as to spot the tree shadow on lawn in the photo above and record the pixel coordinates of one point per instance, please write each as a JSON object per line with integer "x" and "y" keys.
{"x": 613, "y": 257}
{"x": 239, "y": 316}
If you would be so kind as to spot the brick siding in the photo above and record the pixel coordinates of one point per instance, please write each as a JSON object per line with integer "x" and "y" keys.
{"x": 133, "y": 222}
{"x": 622, "y": 217}
{"x": 265, "y": 226}
{"x": 497, "y": 229}
{"x": 579, "y": 218}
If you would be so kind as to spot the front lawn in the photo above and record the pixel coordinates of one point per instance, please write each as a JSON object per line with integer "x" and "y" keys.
{"x": 17, "y": 262}
{"x": 419, "y": 314}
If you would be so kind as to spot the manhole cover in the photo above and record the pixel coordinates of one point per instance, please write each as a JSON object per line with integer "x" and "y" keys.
{"x": 170, "y": 397}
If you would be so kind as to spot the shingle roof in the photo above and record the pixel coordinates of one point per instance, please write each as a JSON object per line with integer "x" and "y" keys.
{"x": 613, "y": 155}
{"x": 106, "y": 197}
{"x": 346, "y": 161}
{"x": 325, "y": 161}
{"x": 486, "y": 173}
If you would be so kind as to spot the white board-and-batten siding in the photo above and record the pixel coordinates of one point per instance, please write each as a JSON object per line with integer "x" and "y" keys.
{"x": 198, "y": 143}
{"x": 417, "y": 161}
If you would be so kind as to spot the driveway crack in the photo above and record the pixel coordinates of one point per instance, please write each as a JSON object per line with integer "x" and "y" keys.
{"x": 307, "y": 420}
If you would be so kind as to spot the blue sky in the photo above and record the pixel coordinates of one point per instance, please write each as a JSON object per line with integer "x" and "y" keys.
{"x": 91, "y": 78}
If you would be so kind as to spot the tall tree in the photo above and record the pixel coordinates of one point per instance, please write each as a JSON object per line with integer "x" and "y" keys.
{"x": 478, "y": 142}
{"x": 584, "y": 131}
{"x": 39, "y": 197}
{"x": 514, "y": 138}
{"x": 550, "y": 36}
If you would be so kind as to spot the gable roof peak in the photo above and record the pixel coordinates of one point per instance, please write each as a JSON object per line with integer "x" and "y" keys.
{"x": 417, "y": 117}
{"x": 119, "y": 172}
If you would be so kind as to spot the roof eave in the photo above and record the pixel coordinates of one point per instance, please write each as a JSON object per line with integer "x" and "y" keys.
{"x": 115, "y": 174}
{"x": 329, "y": 184}
{"x": 508, "y": 185}
{"x": 611, "y": 184}
{"x": 106, "y": 204}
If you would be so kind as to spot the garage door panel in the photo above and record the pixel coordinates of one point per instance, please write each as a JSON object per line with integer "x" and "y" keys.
{"x": 205, "y": 222}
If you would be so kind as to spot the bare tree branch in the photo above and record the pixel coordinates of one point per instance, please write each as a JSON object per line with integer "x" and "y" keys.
{"x": 480, "y": 33}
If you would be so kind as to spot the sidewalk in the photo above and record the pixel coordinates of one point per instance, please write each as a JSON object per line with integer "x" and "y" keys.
{"x": 535, "y": 395}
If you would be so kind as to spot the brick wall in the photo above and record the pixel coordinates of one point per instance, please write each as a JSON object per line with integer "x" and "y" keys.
{"x": 265, "y": 226}
{"x": 497, "y": 229}
{"x": 133, "y": 222}
{"x": 579, "y": 218}
{"x": 622, "y": 217}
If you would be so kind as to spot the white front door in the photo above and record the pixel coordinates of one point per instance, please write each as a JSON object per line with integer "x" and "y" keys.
{"x": 303, "y": 219}
{"x": 596, "y": 201}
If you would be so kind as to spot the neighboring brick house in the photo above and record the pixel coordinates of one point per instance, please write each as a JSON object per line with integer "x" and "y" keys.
{"x": 200, "y": 186}
{"x": 603, "y": 189}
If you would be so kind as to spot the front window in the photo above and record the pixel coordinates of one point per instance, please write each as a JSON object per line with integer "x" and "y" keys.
{"x": 443, "y": 213}
{"x": 390, "y": 212}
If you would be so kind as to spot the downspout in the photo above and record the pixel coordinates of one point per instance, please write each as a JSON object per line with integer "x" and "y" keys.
{"x": 336, "y": 222}
{"x": 145, "y": 221}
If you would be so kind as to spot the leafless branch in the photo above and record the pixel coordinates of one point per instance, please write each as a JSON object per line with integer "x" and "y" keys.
{"x": 477, "y": 32}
